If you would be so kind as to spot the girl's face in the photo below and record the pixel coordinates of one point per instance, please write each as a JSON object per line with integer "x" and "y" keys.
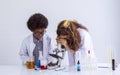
{"x": 38, "y": 33}
{"x": 62, "y": 37}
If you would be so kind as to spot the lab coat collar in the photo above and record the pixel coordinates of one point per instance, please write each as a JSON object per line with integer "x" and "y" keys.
{"x": 45, "y": 47}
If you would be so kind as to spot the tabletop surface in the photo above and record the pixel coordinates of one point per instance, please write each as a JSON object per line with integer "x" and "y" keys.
{"x": 22, "y": 70}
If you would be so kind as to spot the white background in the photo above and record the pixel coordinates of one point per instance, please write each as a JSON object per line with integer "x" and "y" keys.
{"x": 100, "y": 16}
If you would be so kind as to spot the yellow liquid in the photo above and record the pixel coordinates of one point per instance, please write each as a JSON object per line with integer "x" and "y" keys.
{"x": 30, "y": 64}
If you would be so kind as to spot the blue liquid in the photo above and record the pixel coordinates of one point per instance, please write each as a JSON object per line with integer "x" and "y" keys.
{"x": 37, "y": 67}
{"x": 78, "y": 67}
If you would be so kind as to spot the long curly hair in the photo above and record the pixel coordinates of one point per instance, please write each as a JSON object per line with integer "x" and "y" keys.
{"x": 69, "y": 29}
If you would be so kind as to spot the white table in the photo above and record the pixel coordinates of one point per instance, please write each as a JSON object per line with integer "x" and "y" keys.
{"x": 21, "y": 70}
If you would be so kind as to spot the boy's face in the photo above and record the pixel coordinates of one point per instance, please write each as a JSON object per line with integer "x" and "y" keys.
{"x": 38, "y": 33}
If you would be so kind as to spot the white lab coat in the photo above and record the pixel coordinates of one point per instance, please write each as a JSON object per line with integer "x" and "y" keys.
{"x": 28, "y": 46}
{"x": 86, "y": 44}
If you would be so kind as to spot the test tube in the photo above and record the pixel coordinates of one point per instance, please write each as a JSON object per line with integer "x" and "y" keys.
{"x": 113, "y": 61}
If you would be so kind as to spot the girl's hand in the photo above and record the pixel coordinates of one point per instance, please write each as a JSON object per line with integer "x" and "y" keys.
{"x": 62, "y": 41}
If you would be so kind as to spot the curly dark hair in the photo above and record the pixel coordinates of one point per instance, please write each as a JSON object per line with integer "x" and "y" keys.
{"x": 37, "y": 21}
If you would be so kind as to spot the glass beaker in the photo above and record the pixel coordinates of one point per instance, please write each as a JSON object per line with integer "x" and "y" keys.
{"x": 30, "y": 64}
{"x": 43, "y": 65}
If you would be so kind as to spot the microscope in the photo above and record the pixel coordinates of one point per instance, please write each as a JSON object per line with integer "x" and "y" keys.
{"x": 57, "y": 51}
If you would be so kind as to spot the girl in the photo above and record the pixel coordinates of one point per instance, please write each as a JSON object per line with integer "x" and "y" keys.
{"x": 76, "y": 39}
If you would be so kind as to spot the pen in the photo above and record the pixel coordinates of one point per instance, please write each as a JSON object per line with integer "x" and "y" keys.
{"x": 60, "y": 68}
{"x": 103, "y": 67}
